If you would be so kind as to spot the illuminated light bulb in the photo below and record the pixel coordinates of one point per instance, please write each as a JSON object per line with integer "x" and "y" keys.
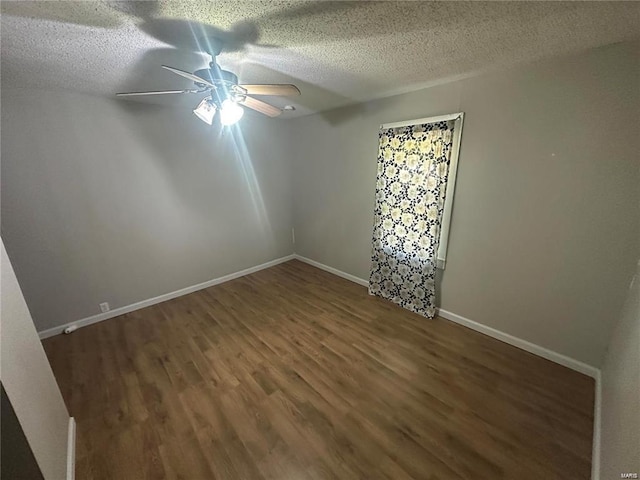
{"x": 230, "y": 112}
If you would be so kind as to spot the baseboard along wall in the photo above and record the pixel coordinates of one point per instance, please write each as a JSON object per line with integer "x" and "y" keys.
{"x": 159, "y": 299}
{"x": 597, "y": 428}
{"x": 71, "y": 450}
{"x": 492, "y": 332}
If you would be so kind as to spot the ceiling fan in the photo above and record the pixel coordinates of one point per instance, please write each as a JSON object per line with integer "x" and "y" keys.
{"x": 224, "y": 93}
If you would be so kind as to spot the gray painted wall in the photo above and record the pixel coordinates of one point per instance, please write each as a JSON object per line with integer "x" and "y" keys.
{"x": 620, "y": 423}
{"x": 543, "y": 233}
{"x": 112, "y": 201}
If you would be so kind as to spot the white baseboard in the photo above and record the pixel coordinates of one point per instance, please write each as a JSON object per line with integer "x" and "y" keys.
{"x": 161, "y": 298}
{"x": 71, "y": 450}
{"x": 335, "y": 271}
{"x": 492, "y": 332}
{"x": 597, "y": 419}
{"x": 543, "y": 352}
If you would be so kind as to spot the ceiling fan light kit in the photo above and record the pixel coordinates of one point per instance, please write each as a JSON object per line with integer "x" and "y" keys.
{"x": 225, "y": 94}
{"x": 206, "y": 110}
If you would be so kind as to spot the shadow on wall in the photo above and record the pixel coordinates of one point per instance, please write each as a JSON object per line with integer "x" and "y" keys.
{"x": 341, "y": 115}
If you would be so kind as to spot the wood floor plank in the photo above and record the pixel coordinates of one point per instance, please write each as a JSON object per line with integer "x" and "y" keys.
{"x": 293, "y": 373}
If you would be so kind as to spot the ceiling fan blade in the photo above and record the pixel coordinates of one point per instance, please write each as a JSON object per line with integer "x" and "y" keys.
{"x": 190, "y": 76}
{"x": 283, "y": 90}
{"x": 260, "y": 106}
{"x": 159, "y": 92}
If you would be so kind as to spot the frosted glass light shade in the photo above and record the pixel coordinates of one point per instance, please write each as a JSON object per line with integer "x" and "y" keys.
{"x": 205, "y": 110}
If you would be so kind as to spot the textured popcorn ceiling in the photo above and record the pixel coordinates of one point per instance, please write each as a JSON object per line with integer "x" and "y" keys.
{"x": 336, "y": 52}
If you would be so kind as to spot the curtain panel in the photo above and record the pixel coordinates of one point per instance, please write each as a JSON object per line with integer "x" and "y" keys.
{"x": 413, "y": 167}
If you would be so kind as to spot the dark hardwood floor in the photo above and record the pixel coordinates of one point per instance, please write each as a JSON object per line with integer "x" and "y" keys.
{"x": 293, "y": 373}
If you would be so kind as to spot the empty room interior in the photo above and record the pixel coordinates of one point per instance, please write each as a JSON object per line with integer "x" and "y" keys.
{"x": 290, "y": 240}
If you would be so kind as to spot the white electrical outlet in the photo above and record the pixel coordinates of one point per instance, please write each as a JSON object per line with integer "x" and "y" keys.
{"x": 104, "y": 307}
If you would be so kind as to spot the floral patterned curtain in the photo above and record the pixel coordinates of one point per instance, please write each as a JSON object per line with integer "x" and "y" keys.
{"x": 413, "y": 166}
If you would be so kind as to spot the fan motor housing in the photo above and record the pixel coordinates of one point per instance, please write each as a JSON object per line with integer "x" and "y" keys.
{"x": 216, "y": 75}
